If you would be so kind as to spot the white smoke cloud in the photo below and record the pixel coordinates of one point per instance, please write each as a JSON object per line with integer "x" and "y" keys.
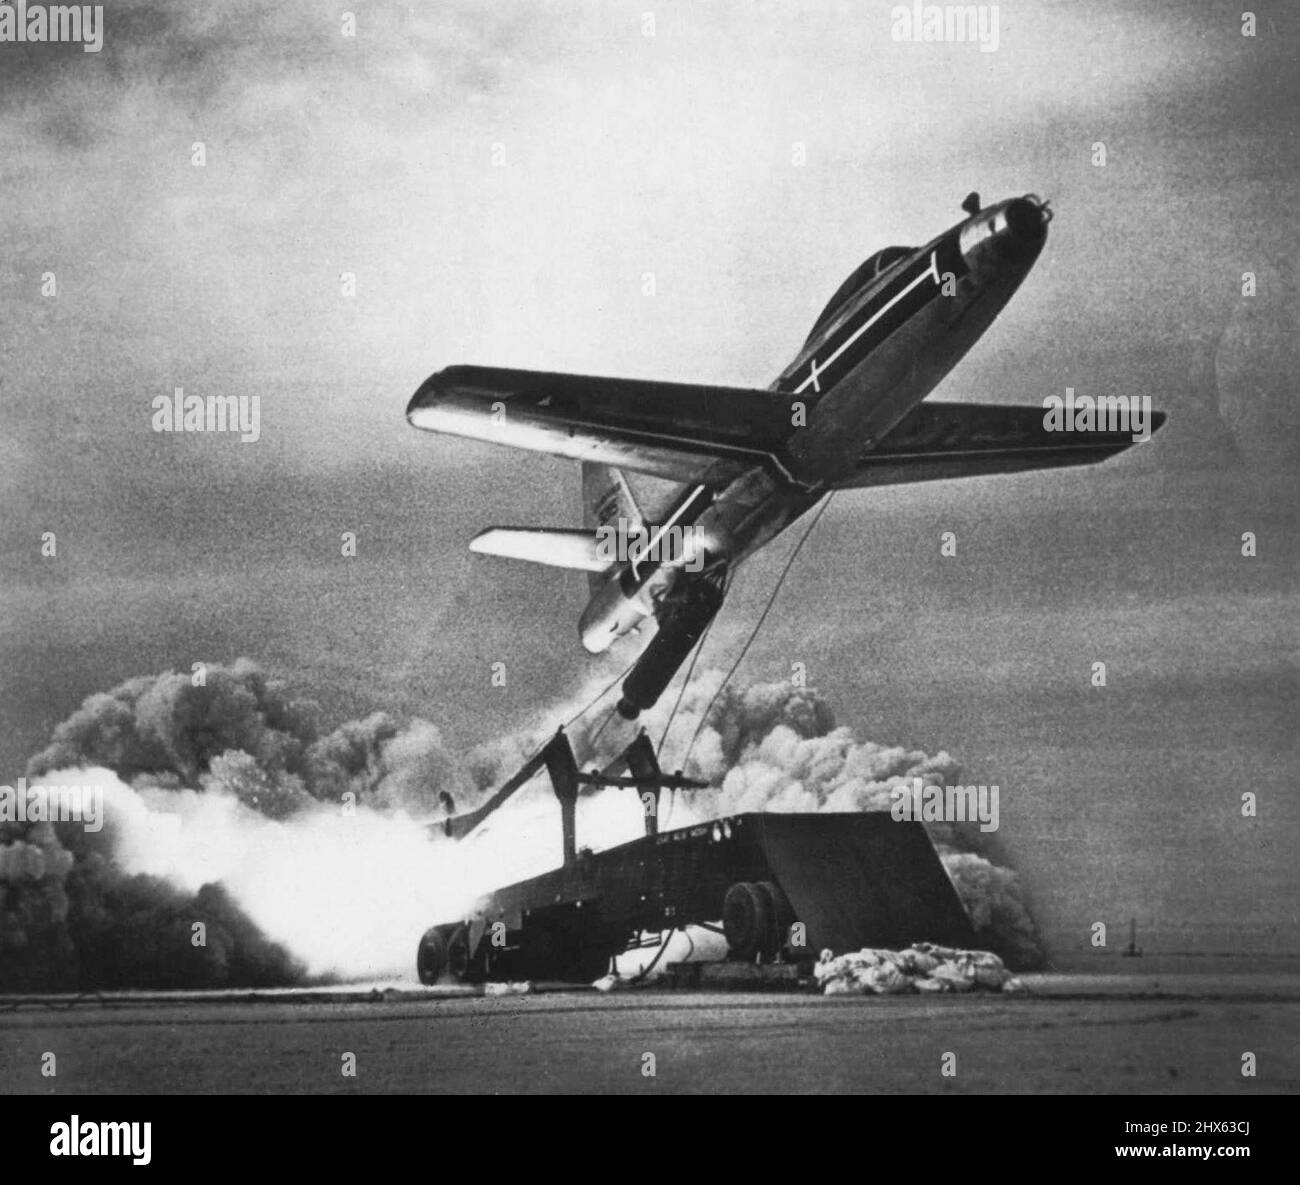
{"x": 323, "y": 842}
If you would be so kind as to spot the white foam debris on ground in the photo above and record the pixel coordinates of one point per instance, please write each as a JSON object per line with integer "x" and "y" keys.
{"x": 520, "y": 988}
{"x": 923, "y": 967}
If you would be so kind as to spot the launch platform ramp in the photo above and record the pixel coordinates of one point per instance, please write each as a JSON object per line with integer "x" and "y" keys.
{"x": 847, "y": 880}
{"x": 859, "y": 880}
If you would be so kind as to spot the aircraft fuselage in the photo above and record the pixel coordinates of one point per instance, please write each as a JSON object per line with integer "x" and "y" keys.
{"x": 881, "y": 350}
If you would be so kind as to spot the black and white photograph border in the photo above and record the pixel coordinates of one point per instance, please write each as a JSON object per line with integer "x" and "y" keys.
{"x": 678, "y": 548}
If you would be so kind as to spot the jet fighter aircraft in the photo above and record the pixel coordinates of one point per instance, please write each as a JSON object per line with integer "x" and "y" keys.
{"x": 696, "y": 478}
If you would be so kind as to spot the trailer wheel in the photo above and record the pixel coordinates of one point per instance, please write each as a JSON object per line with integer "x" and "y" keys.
{"x": 749, "y": 921}
{"x": 458, "y": 954}
{"x": 782, "y": 916}
{"x": 431, "y": 957}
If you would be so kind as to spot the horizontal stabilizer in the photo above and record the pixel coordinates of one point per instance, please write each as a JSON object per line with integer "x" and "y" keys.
{"x": 558, "y": 548}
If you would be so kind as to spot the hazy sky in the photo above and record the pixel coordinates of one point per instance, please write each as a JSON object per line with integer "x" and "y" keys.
{"x": 499, "y": 179}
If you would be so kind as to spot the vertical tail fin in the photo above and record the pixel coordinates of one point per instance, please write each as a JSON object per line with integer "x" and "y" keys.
{"x": 606, "y": 497}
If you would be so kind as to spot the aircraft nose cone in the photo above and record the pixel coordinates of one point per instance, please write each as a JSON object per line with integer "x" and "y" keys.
{"x": 1012, "y": 231}
{"x": 1025, "y": 220}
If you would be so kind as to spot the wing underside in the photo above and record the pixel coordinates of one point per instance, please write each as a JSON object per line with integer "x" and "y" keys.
{"x": 680, "y": 431}
{"x": 940, "y": 441}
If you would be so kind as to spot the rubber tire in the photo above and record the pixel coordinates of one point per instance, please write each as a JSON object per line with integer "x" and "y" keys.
{"x": 782, "y": 916}
{"x": 749, "y": 921}
{"x": 458, "y": 954}
{"x": 431, "y": 956}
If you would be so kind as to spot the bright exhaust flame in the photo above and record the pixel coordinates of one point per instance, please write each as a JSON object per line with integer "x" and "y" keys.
{"x": 348, "y": 894}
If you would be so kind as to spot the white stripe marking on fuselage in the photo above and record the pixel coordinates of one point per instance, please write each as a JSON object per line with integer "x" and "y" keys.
{"x": 932, "y": 270}
{"x": 653, "y": 542}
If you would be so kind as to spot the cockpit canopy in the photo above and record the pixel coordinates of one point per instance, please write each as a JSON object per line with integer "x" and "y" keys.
{"x": 873, "y": 266}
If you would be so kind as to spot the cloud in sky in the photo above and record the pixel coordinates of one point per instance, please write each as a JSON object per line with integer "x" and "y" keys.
{"x": 621, "y": 154}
